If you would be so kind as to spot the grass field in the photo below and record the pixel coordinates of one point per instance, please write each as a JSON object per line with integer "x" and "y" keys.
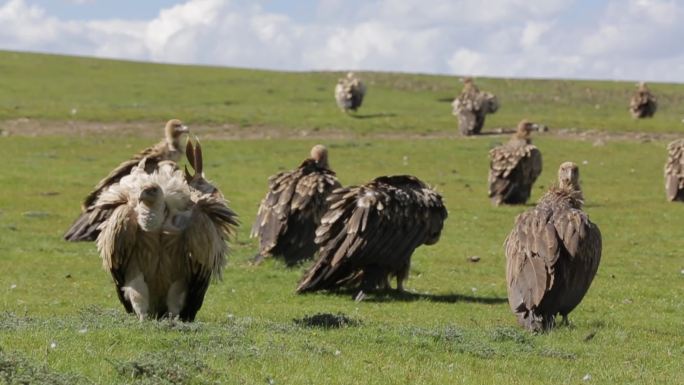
{"x": 60, "y": 321}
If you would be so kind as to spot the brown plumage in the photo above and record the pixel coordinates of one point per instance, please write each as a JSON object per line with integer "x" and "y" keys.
{"x": 163, "y": 241}
{"x": 85, "y": 228}
{"x": 552, "y": 255}
{"x": 471, "y": 107}
{"x": 370, "y": 232}
{"x": 514, "y": 167}
{"x": 349, "y": 93}
{"x": 643, "y": 103}
{"x": 674, "y": 171}
{"x": 292, "y": 209}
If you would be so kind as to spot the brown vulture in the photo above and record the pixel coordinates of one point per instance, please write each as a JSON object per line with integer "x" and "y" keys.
{"x": 513, "y": 168}
{"x": 292, "y": 209}
{"x": 164, "y": 239}
{"x": 552, "y": 255}
{"x": 471, "y": 106}
{"x": 674, "y": 171}
{"x": 643, "y": 103}
{"x": 85, "y": 228}
{"x": 349, "y": 93}
{"x": 370, "y": 232}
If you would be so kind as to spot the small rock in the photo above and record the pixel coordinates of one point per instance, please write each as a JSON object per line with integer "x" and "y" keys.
{"x": 13, "y": 286}
{"x": 585, "y": 162}
{"x": 586, "y": 377}
{"x": 474, "y": 258}
{"x": 53, "y": 345}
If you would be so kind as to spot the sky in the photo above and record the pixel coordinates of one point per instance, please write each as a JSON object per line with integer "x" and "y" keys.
{"x": 580, "y": 39}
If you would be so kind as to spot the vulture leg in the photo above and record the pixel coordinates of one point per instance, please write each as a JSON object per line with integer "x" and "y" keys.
{"x": 175, "y": 299}
{"x": 136, "y": 291}
{"x": 402, "y": 275}
{"x": 257, "y": 260}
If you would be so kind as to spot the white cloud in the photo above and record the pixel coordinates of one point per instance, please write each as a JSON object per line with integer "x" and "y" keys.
{"x": 632, "y": 39}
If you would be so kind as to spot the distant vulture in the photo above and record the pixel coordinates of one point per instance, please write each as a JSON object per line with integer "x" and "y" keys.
{"x": 471, "y": 106}
{"x": 292, "y": 209}
{"x": 85, "y": 228}
{"x": 513, "y": 168}
{"x": 674, "y": 171}
{"x": 643, "y": 103}
{"x": 349, "y": 93}
{"x": 370, "y": 232}
{"x": 552, "y": 255}
{"x": 164, "y": 240}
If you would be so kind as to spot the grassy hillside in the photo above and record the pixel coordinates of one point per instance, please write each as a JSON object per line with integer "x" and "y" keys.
{"x": 49, "y": 87}
{"x": 60, "y": 321}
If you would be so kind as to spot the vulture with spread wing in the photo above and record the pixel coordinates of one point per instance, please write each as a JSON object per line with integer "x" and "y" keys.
{"x": 370, "y": 232}
{"x": 349, "y": 93}
{"x": 86, "y": 226}
{"x": 674, "y": 171}
{"x": 471, "y": 107}
{"x": 643, "y": 103}
{"x": 292, "y": 209}
{"x": 164, "y": 239}
{"x": 552, "y": 255}
{"x": 514, "y": 167}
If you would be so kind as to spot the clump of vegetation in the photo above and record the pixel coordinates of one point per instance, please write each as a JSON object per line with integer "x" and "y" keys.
{"x": 18, "y": 370}
{"x": 161, "y": 368}
{"x": 327, "y": 321}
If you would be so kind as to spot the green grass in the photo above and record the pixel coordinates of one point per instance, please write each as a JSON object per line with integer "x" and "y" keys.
{"x": 456, "y": 328}
{"x": 49, "y": 87}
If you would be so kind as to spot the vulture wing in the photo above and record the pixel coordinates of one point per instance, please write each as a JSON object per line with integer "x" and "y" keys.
{"x": 377, "y": 225}
{"x": 512, "y": 170}
{"x": 289, "y": 214}
{"x": 205, "y": 235}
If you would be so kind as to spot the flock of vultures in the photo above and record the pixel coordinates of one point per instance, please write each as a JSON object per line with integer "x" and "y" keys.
{"x": 162, "y": 232}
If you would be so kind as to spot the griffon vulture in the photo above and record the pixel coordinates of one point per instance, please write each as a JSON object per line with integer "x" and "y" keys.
{"x": 552, "y": 255}
{"x": 292, "y": 209}
{"x": 349, "y": 93}
{"x": 643, "y": 103}
{"x": 370, "y": 232}
{"x": 674, "y": 171}
{"x": 471, "y": 106}
{"x": 86, "y": 226}
{"x": 513, "y": 168}
{"x": 163, "y": 241}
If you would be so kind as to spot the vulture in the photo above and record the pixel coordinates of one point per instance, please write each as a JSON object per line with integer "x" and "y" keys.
{"x": 164, "y": 238}
{"x": 513, "y": 168}
{"x": 643, "y": 103}
{"x": 370, "y": 232}
{"x": 552, "y": 255}
{"x": 471, "y": 106}
{"x": 349, "y": 93}
{"x": 674, "y": 171}
{"x": 292, "y": 209}
{"x": 86, "y": 226}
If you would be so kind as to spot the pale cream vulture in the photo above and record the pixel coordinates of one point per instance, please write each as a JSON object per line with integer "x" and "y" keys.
{"x": 370, "y": 232}
{"x": 292, "y": 209}
{"x": 164, "y": 239}
{"x": 643, "y": 103}
{"x": 85, "y": 228}
{"x": 471, "y": 107}
{"x": 552, "y": 255}
{"x": 514, "y": 167}
{"x": 674, "y": 171}
{"x": 349, "y": 93}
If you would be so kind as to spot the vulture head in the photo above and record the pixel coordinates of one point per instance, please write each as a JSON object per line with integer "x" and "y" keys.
{"x": 642, "y": 87}
{"x": 150, "y": 209}
{"x": 524, "y": 129}
{"x": 568, "y": 176}
{"x": 174, "y": 129}
{"x": 319, "y": 153}
{"x": 150, "y": 194}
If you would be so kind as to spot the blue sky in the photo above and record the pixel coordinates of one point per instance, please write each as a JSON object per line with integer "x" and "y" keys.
{"x": 605, "y": 39}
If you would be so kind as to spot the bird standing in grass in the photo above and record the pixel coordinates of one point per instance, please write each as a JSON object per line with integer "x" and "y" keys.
{"x": 674, "y": 171}
{"x": 552, "y": 255}
{"x": 86, "y": 226}
{"x": 349, "y": 93}
{"x": 643, "y": 103}
{"x": 370, "y": 232}
{"x": 164, "y": 239}
{"x": 292, "y": 209}
{"x": 471, "y": 107}
{"x": 514, "y": 167}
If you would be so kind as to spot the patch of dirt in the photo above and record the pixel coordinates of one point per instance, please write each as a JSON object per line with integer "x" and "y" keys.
{"x": 34, "y": 128}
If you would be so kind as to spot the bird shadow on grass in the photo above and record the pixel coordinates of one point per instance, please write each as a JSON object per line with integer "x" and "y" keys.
{"x": 397, "y": 296}
{"x": 371, "y": 116}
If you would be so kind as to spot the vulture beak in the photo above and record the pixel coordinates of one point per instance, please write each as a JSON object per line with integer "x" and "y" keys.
{"x": 184, "y": 129}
